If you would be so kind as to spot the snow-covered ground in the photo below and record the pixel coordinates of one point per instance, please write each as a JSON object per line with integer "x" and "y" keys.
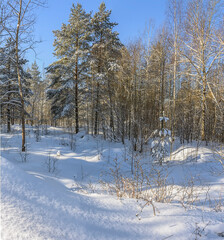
{"x": 70, "y": 203}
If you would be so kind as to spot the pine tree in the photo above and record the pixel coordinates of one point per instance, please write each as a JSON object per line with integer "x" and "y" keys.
{"x": 161, "y": 142}
{"x": 7, "y": 83}
{"x": 104, "y": 54}
{"x": 10, "y": 96}
{"x": 72, "y": 49}
{"x": 35, "y": 84}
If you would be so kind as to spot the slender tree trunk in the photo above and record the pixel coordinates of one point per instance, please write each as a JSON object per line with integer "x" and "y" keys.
{"x": 76, "y": 103}
{"x": 173, "y": 112}
{"x": 174, "y": 80}
{"x": 98, "y": 89}
{"x": 76, "y": 91}
{"x": 87, "y": 117}
{"x": 111, "y": 108}
{"x": 92, "y": 104}
{"x": 8, "y": 119}
{"x": 203, "y": 109}
{"x": 8, "y": 105}
{"x": 163, "y": 89}
{"x": 215, "y": 115}
{"x": 19, "y": 79}
{"x": 97, "y": 109}
{"x": 12, "y": 116}
{"x": 204, "y": 83}
{"x": 32, "y": 114}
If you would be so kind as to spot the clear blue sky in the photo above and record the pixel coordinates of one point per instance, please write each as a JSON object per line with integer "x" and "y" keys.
{"x": 131, "y": 16}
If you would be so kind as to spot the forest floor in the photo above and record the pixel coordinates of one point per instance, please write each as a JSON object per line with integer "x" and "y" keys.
{"x": 63, "y": 188}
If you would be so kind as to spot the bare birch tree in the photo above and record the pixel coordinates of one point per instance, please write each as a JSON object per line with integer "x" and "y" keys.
{"x": 201, "y": 46}
{"x": 19, "y": 28}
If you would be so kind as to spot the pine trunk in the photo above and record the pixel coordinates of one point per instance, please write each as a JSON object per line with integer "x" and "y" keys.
{"x": 76, "y": 91}
{"x": 76, "y": 109}
{"x": 97, "y": 109}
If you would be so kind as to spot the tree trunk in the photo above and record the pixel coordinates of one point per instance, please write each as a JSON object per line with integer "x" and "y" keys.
{"x": 111, "y": 108}
{"x": 97, "y": 109}
{"x": 19, "y": 80}
{"x": 8, "y": 119}
{"x": 163, "y": 89}
{"x": 8, "y": 105}
{"x": 76, "y": 108}
{"x": 173, "y": 111}
{"x": 203, "y": 109}
{"x": 13, "y": 116}
{"x": 76, "y": 90}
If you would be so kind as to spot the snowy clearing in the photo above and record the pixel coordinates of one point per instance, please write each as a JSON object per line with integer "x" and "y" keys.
{"x": 71, "y": 203}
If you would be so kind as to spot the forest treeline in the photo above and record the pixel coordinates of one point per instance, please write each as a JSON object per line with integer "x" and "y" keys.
{"x": 118, "y": 90}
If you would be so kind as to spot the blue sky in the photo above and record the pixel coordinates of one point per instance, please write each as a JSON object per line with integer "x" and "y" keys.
{"x": 131, "y": 16}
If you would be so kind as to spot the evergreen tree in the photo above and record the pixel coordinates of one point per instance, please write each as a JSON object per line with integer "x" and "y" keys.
{"x": 161, "y": 142}
{"x": 104, "y": 54}
{"x": 72, "y": 49}
{"x": 10, "y": 97}
{"x": 35, "y": 84}
{"x": 6, "y": 82}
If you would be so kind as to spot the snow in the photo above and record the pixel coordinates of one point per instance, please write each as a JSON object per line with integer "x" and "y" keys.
{"x": 67, "y": 109}
{"x": 163, "y": 119}
{"x": 69, "y": 84}
{"x": 113, "y": 66}
{"x": 164, "y": 132}
{"x": 71, "y": 204}
{"x": 99, "y": 76}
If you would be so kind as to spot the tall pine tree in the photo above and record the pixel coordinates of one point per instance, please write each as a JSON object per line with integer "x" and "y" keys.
{"x": 68, "y": 73}
{"x": 104, "y": 53}
{"x": 35, "y": 84}
{"x": 10, "y": 97}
